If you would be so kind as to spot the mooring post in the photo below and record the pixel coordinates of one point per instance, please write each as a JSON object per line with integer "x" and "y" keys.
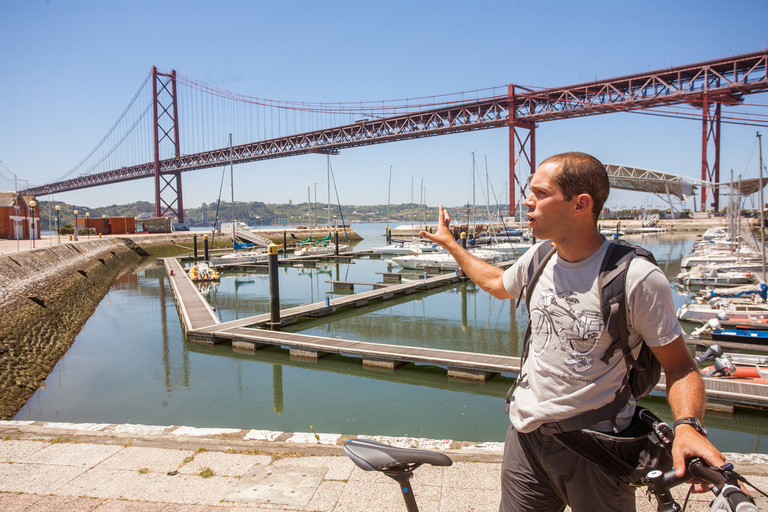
{"x": 463, "y": 237}
{"x": 389, "y": 233}
{"x": 274, "y": 289}
{"x": 194, "y": 244}
{"x": 336, "y": 239}
{"x": 205, "y": 246}
{"x": 285, "y": 245}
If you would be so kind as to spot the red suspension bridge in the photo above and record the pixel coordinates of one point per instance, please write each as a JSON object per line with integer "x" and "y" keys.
{"x": 696, "y": 90}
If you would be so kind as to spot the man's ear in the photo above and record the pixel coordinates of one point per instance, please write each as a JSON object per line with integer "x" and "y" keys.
{"x": 583, "y": 204}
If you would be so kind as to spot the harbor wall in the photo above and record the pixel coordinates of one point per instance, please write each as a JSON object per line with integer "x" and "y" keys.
{"x": 48, "y": 294}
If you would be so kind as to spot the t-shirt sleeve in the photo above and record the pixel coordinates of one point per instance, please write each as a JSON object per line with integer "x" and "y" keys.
{"x": 651, "y": 308}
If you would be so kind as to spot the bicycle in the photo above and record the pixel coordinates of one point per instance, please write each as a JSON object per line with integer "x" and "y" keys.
{"x": 399, "y": 464}
{"x": 723, "y": 481}
{"x": 396, "y": 463}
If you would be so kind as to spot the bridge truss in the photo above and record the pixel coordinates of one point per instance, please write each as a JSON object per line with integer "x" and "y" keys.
{"x": 706, "y": 85}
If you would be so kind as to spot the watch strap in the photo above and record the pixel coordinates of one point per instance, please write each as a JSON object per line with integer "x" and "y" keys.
{"x": 693, "y": 422}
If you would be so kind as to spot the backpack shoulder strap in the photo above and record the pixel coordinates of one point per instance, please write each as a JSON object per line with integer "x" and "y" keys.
{"x": 543, "y": 254}
{"x": 612, "y": 281}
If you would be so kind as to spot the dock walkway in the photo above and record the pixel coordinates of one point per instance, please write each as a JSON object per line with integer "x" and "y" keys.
{"x": 202, "y": 326}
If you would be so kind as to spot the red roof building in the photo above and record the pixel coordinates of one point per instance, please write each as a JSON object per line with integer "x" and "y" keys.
{"x": 19, "y": 217}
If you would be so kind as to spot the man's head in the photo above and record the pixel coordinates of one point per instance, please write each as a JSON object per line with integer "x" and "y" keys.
{"x": 581, "y": 173}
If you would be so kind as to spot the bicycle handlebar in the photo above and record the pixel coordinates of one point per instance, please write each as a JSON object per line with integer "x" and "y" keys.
{"x": 724, "y": 482}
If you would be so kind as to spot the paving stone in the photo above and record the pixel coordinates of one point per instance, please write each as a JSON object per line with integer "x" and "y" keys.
{"x": 17, "y": 451}
{"x": 224, "y": 464}
{"x": 72, "y": 454}
{"x": 161, "y": 460}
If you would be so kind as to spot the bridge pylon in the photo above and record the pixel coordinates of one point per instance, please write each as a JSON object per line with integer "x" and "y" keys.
{"x": 520, "y": 160}
{"x": 168, "y": 197}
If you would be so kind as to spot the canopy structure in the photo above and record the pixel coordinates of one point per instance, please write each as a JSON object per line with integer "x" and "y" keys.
{"x": 655, "y": 182}
{"x": 671, "y": 185}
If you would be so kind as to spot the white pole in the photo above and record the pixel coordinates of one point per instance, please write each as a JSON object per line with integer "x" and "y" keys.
{"x": 762, "y": 204}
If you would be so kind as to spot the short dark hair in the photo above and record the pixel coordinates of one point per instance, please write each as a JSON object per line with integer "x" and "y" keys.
{"x": 581, "y": 173}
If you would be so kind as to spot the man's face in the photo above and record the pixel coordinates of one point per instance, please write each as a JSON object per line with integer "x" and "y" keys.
{"x": 549, "y": 214}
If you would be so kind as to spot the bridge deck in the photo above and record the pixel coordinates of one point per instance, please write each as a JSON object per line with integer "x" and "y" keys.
{"x": 202, "y": 326}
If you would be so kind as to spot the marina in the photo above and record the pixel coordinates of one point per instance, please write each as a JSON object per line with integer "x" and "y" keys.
{"x": 244, "y": 334}
{"x": 224, "y": 384}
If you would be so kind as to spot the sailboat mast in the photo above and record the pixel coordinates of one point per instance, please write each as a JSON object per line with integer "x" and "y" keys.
{"x": 389, "y": 191}
{"x": 762, "y": 203}
{"x": 232, "y": 183}
{"x": 473, "y": 194}
{"x": 411, "y": 208}
{"x": 328, "y": 173}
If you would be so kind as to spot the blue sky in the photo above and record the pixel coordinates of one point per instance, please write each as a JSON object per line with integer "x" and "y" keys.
{"x": 68, "y": 69}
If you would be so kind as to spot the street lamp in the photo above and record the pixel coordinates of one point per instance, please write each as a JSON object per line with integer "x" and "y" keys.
{"x": 58, "y": 233}
{"x": 74, "y": 232}
{"x": 32, "y": 233}
{"x": 87, "y": 227}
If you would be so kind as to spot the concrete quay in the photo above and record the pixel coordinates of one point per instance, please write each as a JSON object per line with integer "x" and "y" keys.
{"x": 109, "y": 468}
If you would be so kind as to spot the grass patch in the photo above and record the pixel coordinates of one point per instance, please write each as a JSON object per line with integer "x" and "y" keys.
{"x": 206, "y": 473}
{"x": 188, "y": 460}
{"x": 143, "y": 471}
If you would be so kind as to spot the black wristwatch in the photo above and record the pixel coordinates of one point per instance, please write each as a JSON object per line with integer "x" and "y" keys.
{"x": 694, "y": 422}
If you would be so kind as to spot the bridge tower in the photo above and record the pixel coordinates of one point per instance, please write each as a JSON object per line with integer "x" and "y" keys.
{"x": 523, "y": 159}
{"x": 168, "y": 198}
{"x": 710, "y": 140}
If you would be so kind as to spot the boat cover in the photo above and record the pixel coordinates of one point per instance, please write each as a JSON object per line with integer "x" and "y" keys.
{"x": 740, "y": 291}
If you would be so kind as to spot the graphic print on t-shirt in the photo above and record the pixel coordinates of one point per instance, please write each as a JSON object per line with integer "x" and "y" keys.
{"x": 564, "y": 333}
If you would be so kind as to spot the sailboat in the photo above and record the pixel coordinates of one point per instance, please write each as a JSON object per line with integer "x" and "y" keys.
{"x": 257, "y": 255}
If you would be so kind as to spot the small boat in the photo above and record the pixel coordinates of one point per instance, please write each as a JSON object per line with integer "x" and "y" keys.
{"x": 201, "y": 272}
{"x": 724, "y": 367}
{"x": 732, "y": 312}
{"x": 251, "y": 256}
{"x": 705, "y": 276}
{"x": 395, "y": 246}
{"x": 443, "y": 259}
{"x": 759, "y": 337}
{"x": 319, "y": 250}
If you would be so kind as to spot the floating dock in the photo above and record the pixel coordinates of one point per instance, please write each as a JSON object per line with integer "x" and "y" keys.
{"x": 201, "y": 325}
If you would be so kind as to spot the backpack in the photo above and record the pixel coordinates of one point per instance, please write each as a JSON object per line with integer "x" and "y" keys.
{"x": 643, "y": 372}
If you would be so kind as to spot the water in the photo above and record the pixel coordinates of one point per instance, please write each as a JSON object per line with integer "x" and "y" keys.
{"x": 131, "y": 364}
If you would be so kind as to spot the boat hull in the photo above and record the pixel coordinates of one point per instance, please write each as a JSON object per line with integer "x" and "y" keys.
{"x": 741, "y": 336}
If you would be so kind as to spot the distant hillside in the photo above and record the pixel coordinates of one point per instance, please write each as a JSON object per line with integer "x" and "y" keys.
{"x": 257, "y": 213}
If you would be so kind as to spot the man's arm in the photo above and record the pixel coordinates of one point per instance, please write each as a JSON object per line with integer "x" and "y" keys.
{"x": 685, "y": 392}
{"x": 488, "y": 277}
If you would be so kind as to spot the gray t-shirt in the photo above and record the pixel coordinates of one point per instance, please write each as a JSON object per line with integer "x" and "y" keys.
{"x": 563, "y": 375}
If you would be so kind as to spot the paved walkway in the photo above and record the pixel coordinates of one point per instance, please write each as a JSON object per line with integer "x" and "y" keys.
{"x": 108, "y": 468}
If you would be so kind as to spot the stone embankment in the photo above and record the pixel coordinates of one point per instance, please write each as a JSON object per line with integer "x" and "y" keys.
{"x": 47, "y": 295}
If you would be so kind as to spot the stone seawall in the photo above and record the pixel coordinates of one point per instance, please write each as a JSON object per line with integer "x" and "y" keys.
{"x": 47, "y": 295}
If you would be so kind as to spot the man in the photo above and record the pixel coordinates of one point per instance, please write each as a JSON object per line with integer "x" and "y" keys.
{"x": 563, "y": 375}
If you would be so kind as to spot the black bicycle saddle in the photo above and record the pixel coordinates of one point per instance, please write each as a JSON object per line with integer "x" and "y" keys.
{"x": 375, "y": 456}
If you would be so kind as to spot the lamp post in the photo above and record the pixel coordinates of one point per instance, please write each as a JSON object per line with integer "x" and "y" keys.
{"x": 58, "y": 234}
{"x": 87, "y": 228}
{"x": 74, "y": 231}
{"x": 32, "y": 233}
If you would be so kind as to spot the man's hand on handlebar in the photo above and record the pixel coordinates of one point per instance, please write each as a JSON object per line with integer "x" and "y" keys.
{"x": 689, "y": 443}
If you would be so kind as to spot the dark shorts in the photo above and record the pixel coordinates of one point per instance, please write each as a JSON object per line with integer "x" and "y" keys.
{"x": 539, "y": 474}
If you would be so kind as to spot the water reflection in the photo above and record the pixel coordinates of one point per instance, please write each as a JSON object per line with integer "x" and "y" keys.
{"x": 131, "y": 363}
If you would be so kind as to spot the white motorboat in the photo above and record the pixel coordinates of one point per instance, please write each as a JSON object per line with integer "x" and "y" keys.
{"x": 402, "y": 247}
{"x": 443, "y": 259}
{"x": 319, "y": 250}
{"x": 252, "y": 256}
{"x": 705, "y": 276}
{"x": 743, "y": 312}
